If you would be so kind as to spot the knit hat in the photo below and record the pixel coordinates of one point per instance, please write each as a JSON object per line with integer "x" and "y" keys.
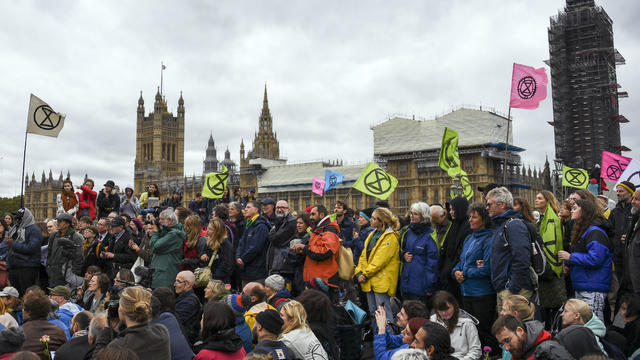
{"x": 319, "y": 284}
{"x": 275, "y": 281}
{"x": 579, "y": 341}
{"x": 628, "y": 185}
{"x": 238, "y": 303}
{"x": 11, "y": 339}
{"x": 270, "y": 321}
{"x": 366, "y": 213}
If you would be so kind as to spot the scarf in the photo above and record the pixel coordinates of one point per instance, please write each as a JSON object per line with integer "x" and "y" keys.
{"x": 69, "y": 200}
{"x": 419, "y": 228}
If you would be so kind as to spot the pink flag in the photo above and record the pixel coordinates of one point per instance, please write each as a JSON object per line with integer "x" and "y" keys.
{"x": 528, "y": 86}
{"x": 318, "y": 186}
{"x": 613, "y": 165}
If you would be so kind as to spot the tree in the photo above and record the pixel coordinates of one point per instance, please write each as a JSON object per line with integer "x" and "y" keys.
{"x": 9, "y": 205}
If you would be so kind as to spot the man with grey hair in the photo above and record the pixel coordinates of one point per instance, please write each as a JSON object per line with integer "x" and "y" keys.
{"x": 188, "y": 308}
{"x": 97, "y": 324}
{"x": 166, "y": 243}
{"x": 510, "y": 247}
{"x": 441, "y": 225}
{"x": 279, "y": 236}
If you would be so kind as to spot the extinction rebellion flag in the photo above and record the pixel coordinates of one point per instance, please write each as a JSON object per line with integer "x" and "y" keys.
{"x": 449, "y": 160}
{"x": 376, "y": 182}
{"x": 215, "y": 183}
{"x": 613, "y": 165}
{"x": 574, "y": 177}
{"x": 528, "y": 86}
{"x": 42, "y": 120}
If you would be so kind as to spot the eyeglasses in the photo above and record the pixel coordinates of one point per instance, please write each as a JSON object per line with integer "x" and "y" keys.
{"x": 282, "y": 207}
{"x": 179, "y": 281}
{"x": 414, "y": 214}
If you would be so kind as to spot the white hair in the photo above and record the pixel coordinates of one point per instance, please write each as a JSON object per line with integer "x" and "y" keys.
{"x": 424, "y": 211}
{"x": 95, "y": 326}
{"x": 410, "y": 354}
{"x": 169, "y": 214}
{"x": 501, "y": 196}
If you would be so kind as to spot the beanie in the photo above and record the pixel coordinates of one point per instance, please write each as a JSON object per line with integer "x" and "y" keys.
{"x": 366, "y": 213}
{"x": 12, "y": 339}
{"x": 270, "y": 321}
{"x": 415, "y": 324}
{"x": 628, "y": 185}
{"x": 275, "y": 281}
{"x": 238, "y": 303}
{"x": 319, "y": 284}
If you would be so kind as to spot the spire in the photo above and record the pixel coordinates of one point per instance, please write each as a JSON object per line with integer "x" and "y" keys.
{"x": 227, "y": 154}
{"x": 50, "y": 175}
{"x": 68, "y": 174}
{"x": 211, "y": 142}
{"x": 181, "y": 100}
{"x": 44, "y": 179}
{"x": 158, "y": 96}
{"x": 265, "y": 101}
{"x": 140, "y": 99}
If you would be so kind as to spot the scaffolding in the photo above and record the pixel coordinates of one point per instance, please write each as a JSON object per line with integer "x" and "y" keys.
{"x": 585, "y": 90}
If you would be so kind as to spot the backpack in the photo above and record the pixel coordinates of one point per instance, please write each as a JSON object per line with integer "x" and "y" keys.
{"x": 538, "y": 260}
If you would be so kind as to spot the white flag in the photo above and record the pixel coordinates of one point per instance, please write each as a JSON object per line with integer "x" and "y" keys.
{"x": 42, "y": 120}
{"x": 631, "y": 173}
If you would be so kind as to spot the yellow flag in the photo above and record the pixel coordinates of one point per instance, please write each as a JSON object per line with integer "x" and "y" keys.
{"x": 574, "y": 177}
{"x": 467, "y": 190}
{"x": 215, "y": 183}
{"x": 376, "y": 182}
{"x": 449, "y": 160}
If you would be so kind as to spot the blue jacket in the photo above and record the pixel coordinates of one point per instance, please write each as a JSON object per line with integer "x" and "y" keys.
{"x": 243, "y": 330}
{"x": 346, "y": 232}
{"x": 590, "y": 261}
{"x": 511, "y": 254}
{"x": 180, "y": 349}
{"x": 358, "y": 243}
{"x": 252, "y": 249}
{"x": 383, "y": 348}
{"x": 25, "y": 252}
{"x": 421, "y": 274}
{"x": 477, "y": 281}
{"x": 188, "y": 313}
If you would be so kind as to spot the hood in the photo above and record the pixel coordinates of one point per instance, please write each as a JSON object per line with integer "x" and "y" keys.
{"x": 509, "y": 214}
{"x": 27, "y": 219}
{"x": 605, "y": 225}
{"x": 480, "y": 233}
{"x": 597, "y": 326}
{"x": 11, "y": 339}
{"x": 283, "y": 293}
{"x": 226, "y": 341}
{"x": 534, "y": 328}
{"x": 579, "y": 341}
{"x": 464, "y": 316}
{"x": 178, "y": 229}
{"x": 460, "y": 205}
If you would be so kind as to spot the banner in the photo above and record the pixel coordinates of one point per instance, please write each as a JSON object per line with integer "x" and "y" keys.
{"x": 376, "y": 182}
{"x": 449, "y": 160}
{"x": 632, "y": 173}
{"x": 613, "y": 165}
{"x": 528, "y": 86}
{"x": 574, "y": 177}
{"x": 332, "y": 179}
{"x": 42, "y": 120}
{"x": 467, "y": 190}
{"x": 318, "y": 186}
{"x": 215, "y": 183}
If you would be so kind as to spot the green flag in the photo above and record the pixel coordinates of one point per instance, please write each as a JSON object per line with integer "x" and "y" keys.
{"x": 449, "y": 159}
{"x": 467, "y": 190}
{"x": 574, "y": 177}
{"x": 376, "y": 182}
{"x": 215, "y": 183}
{"x": 551, "y": 232}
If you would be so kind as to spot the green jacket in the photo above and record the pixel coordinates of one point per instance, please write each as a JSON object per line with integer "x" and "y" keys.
{"x": 167, "y": 246}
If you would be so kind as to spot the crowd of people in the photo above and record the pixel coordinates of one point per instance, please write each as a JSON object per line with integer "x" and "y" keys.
{"x": 125, "y": 277}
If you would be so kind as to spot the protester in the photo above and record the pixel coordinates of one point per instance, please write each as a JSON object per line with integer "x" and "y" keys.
{"x": 473, "y": 272}
{"x": 11, "y": 341}
{"x": 64, "y": 247}
{"x": 10, "y": 297}
{"x": 239, "y": 304}
{"x": 174, "y": 201}
{"x": 296, "y": 261}
{"x": 98, "y": 286}
{"x": 215, "y": 290}
{"x": 434, "y": 339}
{"x": 631, "y": 280}
{"x": 218, "y": 247}
{"x": 143, "y": 249}
{"x": 251, "y": 254}
{"x": 153, "y": 191}
{"x": 67, "y": 200}
{"x": 194, "y": 244}
{"x": 452, "y": 245}
{"x": 522, "y": 205}
{"x": 188, "y": 307}
{"x": 384, "y": 344}
{"x": 162, "y": 312}
{"x": 441, "y": 225}
{"x": 198, "y": 207}
{"x": 36, "y": 309}
{"x": 147, "y": 341}
{"x": 78, "y": 346}
{"x": 509, "y": 273}
{"x": 279, "y": 237}
{"x": 8, "y": 218}
{"x": 23, "y": 258}
{"x": 579, "y": 341}
{"x": 108, "y": 200}
{"x": 94, "y": 252}
{"x": 6, "y": 320}
{"x": 218, "y": 334}
{"x": 119, "y": 255}
{"x": 410, "y": 354}
{"x": 419, "y": 256}
{"x": 460, "y": 325}
{"x": 519, "y": 306}
{"x": 167, "y": 244}
{"x": 268, "y": 210}
{"x": 129, "y": 203}
{"x": 552, "y": 291}
{"x": 87, "y": 200}
{"x": 235, "y": 215}
{"x": 379, "y": 263}
{"x": 66, "y": 309}
{"x": 527, "y": 341}
{"x": 630, "y": 311}
{"x": 266, "y": 330}
{"x": 364, "y": 223}
{"x": 620, "y": 219}
{"x": 578, "y": 312}
{"x": 590, "y": 259}
{"x": 297, "y": 335}
{"x": 277, "y": 293}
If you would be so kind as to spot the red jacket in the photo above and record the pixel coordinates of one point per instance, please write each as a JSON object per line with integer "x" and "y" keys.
{"x": 322, "y": 253}
{"x": 87, "y": 200}
{"x": 206, "y": 354}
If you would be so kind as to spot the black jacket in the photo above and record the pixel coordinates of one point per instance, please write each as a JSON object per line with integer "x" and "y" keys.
{"x": 452, "y": 246}
{"x": 93, "y": 253}
{"x": 188, "y": 313}
{"x": 62, "y": 249}
{"x": 123, "y": 255}
{"x": 106, "y": 205}
{"x": 147, "y": 341}
{"x": 275, "y": 348}
{"x": 279, "y": 237}
{"x": 620, "y": 221}
{"x": 76, "y": 348}
{"x": 223, "y": 263}
{"x": 25, "y": 250}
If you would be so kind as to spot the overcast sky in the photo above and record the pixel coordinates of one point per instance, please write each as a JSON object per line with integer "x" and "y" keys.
{"x": 332, "y": 68}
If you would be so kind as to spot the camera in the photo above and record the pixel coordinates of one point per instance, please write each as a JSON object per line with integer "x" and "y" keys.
{"x": 146, "y": 275}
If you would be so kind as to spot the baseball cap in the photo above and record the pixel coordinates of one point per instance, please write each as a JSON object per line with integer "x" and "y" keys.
{"x": 9, "y": 291}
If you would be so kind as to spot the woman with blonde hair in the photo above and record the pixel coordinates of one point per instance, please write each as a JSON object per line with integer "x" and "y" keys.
{"x": 5, "y": 316}
{"x": 297, "y": 335}
{"x": 215, "y": 290}
{"x": 194, "y": 244}
{"x": 518, "y": 306}
{"x": 147, "y": 341}
{"x": 379, "y": 263}
{"x": 552, "y": 289}
{"x": 220, "y": 249}
{"x": 578, "y": 312}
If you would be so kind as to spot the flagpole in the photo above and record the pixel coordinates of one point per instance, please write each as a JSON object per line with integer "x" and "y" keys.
{"x": 506, "y": 149}
{"x": 161, "y": 70}
{"x": 24, "y": 158}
